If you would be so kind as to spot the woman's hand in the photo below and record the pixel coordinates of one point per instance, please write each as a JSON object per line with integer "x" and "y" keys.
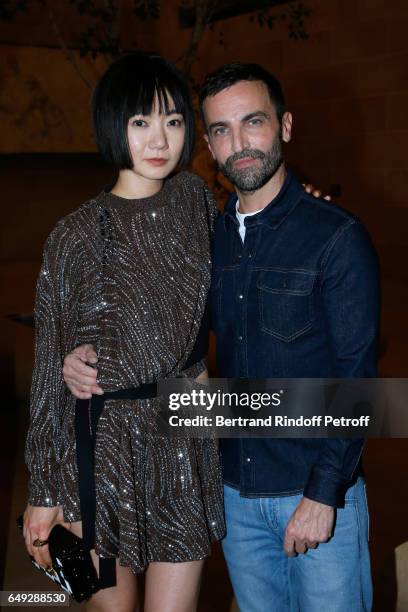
{"x": 38, "y": 522}
{"x": 79, "y": 377}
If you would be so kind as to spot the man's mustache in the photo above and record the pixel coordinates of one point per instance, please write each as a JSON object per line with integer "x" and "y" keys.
{"x": 251, "y": 153}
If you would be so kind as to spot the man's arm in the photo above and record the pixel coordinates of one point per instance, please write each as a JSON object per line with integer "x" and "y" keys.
{"x": 351, "y": 296}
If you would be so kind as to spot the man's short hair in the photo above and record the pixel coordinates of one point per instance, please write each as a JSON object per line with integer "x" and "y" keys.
{"x": 129, "y": 87}
{"x": 230, "y": 74}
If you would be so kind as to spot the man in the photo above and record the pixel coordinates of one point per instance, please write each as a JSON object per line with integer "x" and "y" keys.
{"x": 294, "y": 294}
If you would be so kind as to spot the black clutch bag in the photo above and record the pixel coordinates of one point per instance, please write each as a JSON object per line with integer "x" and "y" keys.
{"x": 72, "y": 566}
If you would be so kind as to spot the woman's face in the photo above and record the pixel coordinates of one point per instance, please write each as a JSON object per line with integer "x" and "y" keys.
{"x": 156, "y": 142}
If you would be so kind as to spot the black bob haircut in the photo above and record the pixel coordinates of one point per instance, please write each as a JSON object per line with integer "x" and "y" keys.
{"x": 230, "y": 74}
{"x": 129, "y": 87}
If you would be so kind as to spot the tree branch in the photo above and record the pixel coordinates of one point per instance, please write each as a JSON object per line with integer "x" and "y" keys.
{"x": 111, "y": 31}
{"x": 204, "y": 10}
{"x": 70, "y": 56}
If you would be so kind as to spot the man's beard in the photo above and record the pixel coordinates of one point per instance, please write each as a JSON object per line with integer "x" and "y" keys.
{"x": 254, "y": 177}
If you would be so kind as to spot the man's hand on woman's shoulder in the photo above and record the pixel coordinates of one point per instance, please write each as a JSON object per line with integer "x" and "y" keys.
{"x": 309, "y": 188}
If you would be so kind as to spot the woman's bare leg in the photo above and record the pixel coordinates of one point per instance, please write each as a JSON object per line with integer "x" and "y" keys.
{"x": 173, "y": 587}
{"x": 121, "y": 598}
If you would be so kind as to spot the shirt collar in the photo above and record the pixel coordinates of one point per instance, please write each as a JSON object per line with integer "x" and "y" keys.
{"x": 275, "y": 213}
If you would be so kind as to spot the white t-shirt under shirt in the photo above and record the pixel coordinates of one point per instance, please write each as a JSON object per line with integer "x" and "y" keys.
{"x": 241, "y": 220}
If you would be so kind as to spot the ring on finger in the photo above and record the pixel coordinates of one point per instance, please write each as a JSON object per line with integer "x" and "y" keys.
{"x": 38, "y": 543}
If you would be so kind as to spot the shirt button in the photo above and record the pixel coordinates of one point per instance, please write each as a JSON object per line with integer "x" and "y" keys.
{"x": 241, "y": 297}
{"x": 249, "y": 255}
{"x": 248, "y": 459}
{"x": 239, "y": 337}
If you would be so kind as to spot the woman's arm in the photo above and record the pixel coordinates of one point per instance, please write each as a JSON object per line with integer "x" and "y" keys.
{"x": 47, "y": 388}
{"x": 54, "y": 301}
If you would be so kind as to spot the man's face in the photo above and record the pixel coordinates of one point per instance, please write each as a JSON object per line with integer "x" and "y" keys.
{"x": 244, "y": 135}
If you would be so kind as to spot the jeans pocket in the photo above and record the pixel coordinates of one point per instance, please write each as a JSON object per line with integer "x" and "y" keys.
{"x": 357, "y": 496}
{"x": 286, "y": 302}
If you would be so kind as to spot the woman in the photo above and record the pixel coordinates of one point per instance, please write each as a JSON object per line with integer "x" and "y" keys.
{"x": 128, "y": 272}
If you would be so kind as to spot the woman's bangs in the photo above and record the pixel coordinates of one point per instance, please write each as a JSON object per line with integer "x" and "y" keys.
{"x": 143, "y": 97}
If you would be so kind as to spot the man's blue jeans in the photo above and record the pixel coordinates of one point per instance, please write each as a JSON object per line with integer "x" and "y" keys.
{"x": 334, "y": 577}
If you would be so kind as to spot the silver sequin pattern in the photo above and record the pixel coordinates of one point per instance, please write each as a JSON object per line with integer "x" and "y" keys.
{"x": 130, "y": 277}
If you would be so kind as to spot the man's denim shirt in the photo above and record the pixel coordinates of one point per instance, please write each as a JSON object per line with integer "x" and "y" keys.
{"x": 300, "y": 298}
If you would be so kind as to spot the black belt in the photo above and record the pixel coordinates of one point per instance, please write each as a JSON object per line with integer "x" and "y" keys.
{"x": 87, "y": 413}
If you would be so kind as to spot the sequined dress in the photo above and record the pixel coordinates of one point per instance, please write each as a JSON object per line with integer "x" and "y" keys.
{"x": 130, "y": 277}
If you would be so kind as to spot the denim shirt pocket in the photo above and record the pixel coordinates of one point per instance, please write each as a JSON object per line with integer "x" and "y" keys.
{"x": 286, "y": 302}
